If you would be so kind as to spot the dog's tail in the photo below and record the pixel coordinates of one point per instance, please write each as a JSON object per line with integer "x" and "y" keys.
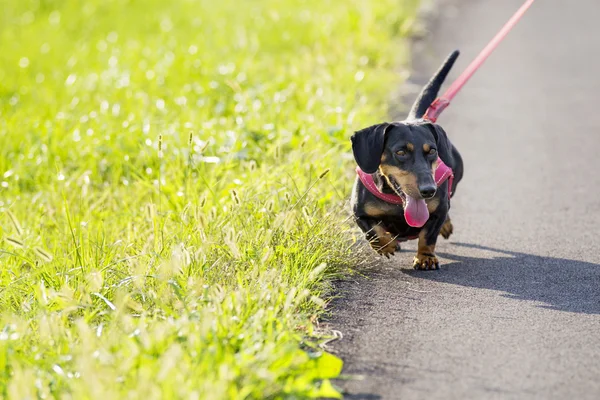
{"x": 430, "y": 91}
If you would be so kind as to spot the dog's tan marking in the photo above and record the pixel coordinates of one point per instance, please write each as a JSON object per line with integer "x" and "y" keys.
{"x": 410, "y": 146}
{"x": 374, "y": 210}
{"x": 394, "y": 171}
{"x": 426, "y": 148}
{"x": 407, "y": 180}
{"x": 447, "y": 228}
{"x": 425, "y": 258}
{"x": 383, "y": 157}
{"x": 432, "y": 204}
{"x": 378, "y": 209}
{"x": 385, "y": 244}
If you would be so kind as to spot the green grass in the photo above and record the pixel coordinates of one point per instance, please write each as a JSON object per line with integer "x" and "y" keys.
{"x": 174, "y": 179}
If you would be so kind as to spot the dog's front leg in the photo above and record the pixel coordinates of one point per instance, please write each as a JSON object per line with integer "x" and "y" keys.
{"x": 425, "y": 258}
{"x": 379, "y": 238}
{"x": 447, "y": 228}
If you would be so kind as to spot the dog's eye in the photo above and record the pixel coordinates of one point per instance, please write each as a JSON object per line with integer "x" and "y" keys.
{"x": 432, "y": 152}
{"x": 401, "y": 152}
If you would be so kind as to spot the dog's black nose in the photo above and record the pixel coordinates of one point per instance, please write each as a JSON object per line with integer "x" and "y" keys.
{"x": 427, "y": 191}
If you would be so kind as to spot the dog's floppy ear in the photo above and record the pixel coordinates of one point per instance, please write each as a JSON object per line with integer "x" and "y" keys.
{"x": 367, "y": 146}
{"x": 443, "y": 144}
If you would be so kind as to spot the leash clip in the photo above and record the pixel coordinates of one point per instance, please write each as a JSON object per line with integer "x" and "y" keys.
{"x": 436, "y": 108}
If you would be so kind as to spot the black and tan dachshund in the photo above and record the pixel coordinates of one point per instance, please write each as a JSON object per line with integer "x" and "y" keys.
{"x": 400, "y": 160}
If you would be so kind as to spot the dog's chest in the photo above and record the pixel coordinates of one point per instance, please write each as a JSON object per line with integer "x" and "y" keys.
{"x": 398, "y": 227}
{"x": 380, "y": 209}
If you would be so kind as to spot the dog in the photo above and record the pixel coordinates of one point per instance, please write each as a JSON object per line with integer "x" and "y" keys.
{"x": 398, "y": 195}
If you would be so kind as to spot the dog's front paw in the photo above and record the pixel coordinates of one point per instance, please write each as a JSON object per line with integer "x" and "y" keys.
{"x": 383, "y": 242}
{"x": 386, "y": 246}
{"x": 447, "y": 229}
{"x": 425, "y": 262}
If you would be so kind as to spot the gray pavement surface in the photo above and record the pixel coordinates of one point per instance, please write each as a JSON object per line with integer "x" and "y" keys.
{"x": 514, "y": 313}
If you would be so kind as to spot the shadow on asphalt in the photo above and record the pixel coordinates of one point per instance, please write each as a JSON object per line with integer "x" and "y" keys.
{"x": 557, "y": 283}
{"x": 361, "y": 396}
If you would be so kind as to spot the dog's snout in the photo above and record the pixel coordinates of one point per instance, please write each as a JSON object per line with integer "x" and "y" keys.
{"x": 427, "y": 191}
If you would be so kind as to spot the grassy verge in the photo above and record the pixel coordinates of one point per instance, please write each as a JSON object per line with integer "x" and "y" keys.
{"x": 173, "y": 176}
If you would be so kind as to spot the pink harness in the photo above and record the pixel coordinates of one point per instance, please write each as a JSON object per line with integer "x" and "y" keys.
{"x": 442, "y": 173}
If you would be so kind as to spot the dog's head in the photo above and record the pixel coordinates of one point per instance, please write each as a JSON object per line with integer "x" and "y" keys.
{"x": 404, "y": 153}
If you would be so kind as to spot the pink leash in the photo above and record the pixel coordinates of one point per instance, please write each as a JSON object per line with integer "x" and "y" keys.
{"x": 440, "y": 104}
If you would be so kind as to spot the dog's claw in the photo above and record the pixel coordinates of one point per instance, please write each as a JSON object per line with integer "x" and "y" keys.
{"x": 386, "y": 251}
{"x": 422, "y": 262}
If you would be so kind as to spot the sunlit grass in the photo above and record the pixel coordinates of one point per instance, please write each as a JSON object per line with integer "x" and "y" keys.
{"x": 197, "y": 270}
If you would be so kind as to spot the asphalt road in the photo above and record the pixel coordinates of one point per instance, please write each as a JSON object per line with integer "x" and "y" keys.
{"x": 514, "y": 313}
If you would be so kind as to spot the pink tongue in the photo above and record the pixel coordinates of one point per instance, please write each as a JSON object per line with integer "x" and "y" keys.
{"x": 415, "y": 212}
